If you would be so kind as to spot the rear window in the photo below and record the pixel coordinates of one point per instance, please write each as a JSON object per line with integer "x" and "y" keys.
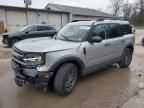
{"x": 126, "y": 29}
{"x": 114, "y": 30}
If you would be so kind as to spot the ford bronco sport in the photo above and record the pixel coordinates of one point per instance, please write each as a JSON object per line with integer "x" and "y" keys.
{"x": 78, "y": 49}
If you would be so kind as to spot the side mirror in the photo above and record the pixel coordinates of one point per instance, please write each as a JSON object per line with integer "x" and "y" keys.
{"x": 26, "y": 32}
{"x": 95, "y": 39}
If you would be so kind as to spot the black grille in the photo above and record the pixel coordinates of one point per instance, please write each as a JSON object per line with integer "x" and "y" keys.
{"x": 18, "y": 55}
{"x": 15, "y": 66}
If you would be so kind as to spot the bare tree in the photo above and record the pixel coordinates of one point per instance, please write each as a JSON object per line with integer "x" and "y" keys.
{"x": 134, "y": 12}
{"x": 116, "y": 6}
{"x": 141, "y": 8}
{"x": 127, "y": 10}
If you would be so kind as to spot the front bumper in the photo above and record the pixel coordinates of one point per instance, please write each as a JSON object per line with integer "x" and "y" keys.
{"x": 5, "y": 40}
{"x": 31, "y": 75}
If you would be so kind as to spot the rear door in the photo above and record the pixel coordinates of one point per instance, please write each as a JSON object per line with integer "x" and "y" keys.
{"x": 115, "y": 40}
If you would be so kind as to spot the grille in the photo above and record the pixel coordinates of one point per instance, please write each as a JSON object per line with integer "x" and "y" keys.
{"x": 15, "y": 66}
{"x": 18, "y": 56}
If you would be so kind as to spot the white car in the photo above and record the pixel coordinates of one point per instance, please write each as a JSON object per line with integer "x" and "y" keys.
{"x": 78, "y": 49}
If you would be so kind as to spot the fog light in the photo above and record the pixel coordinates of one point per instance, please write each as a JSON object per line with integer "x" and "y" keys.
{"x": 46, "y": 76}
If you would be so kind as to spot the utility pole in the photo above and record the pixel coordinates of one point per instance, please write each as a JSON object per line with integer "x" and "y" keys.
{"x": 27, "y": 4}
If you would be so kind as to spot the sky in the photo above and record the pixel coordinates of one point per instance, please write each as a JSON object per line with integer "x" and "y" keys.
{"x": 102, "y": 5}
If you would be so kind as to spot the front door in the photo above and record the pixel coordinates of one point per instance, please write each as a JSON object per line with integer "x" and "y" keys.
{"x": 98, "y": 53}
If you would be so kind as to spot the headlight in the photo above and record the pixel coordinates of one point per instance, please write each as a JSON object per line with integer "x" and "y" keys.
{"x": 33, "y": 59}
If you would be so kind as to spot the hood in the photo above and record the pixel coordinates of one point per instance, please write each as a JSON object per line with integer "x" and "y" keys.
{"x": 10, "y": 33}
{"x": 45, "y": 45}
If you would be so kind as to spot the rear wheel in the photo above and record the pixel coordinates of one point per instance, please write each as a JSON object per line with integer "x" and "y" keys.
{"x": 126, "y": 58}
{"x": 65, "y": 79}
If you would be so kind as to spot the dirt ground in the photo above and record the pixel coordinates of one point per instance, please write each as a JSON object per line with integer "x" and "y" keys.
{"x": 107, "y": 88}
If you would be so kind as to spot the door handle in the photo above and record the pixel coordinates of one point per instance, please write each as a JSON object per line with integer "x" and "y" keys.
{"x": 107, "y": 44}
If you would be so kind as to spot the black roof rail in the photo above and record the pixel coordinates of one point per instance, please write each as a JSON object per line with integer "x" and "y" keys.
{"x": 80, "y": 20}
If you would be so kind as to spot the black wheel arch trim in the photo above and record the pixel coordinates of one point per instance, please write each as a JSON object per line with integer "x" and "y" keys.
{"x": 131, "y": 46}
{"x": 79, "y": 63}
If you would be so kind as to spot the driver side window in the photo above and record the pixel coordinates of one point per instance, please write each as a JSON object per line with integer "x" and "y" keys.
{"x": 100, "y": 30}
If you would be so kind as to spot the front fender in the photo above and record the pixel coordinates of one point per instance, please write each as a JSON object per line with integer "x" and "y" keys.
{"x": 80, "y": 64}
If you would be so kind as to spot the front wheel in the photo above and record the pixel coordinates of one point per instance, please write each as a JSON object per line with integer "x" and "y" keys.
{"x": 13, "y": 41}
{"x": 65, "y": 79}
{"x": 126, "y": 58}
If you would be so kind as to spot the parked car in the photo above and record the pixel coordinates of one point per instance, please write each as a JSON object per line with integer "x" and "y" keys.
{"x": 78, "y": 49}
{"x": 30, "y": 31}
{"x": 143, "y": 41}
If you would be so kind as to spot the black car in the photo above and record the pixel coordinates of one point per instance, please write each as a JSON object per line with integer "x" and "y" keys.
{"x": 31, "y": 31}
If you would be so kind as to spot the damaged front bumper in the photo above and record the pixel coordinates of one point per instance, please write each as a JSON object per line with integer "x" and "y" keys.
{"x": 31, "y": 75}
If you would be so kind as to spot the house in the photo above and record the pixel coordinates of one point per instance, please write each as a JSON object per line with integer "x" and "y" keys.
{"x": 79, "y": 13}
{"x": 14, "y": 18}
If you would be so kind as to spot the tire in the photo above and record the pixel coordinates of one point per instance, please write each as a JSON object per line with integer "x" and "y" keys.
{"x": 13, "y": 41}
{"x": 126, "y": 58}
{"x": 65, "y": 79}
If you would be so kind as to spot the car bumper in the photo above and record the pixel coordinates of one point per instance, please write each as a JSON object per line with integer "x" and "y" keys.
{"x": 31, "y": 75}
{"x": 5, "y": 40}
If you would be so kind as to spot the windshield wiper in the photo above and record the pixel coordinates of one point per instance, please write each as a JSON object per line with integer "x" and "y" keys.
{"x": 66, "y": 37}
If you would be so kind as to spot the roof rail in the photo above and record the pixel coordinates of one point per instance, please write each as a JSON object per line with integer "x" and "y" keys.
{"x": 80, "y": 20}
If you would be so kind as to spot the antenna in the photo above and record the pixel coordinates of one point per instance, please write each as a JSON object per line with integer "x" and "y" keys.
{"x": 27, "y": 3}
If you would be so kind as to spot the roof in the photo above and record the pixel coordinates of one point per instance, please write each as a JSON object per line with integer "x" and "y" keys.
{"x": 99, "y": 22}
{"x": 29, "y": 9}
{"x": 79, "y": 10}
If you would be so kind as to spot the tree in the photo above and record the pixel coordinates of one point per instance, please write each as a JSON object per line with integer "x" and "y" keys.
{"x": 127, "y": 10}
{"x": 141, "y": 7}
{"x": 116, "y": 6}
{"x": 138, "y": 13}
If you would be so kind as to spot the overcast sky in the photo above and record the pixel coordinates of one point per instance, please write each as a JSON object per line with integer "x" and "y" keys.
{"x": 95, "y": 4}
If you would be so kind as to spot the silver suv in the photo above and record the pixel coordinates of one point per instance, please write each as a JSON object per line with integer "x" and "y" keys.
{"x": 78, "y": 49}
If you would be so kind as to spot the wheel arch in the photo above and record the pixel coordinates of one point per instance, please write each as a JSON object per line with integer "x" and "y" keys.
{"x": 78, "y": 62}
{"x": 130, "y": 46}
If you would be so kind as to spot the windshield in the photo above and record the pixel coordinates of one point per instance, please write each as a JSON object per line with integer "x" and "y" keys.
{"x": 73, "y": 33}
{"x": 25, "y": 28}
